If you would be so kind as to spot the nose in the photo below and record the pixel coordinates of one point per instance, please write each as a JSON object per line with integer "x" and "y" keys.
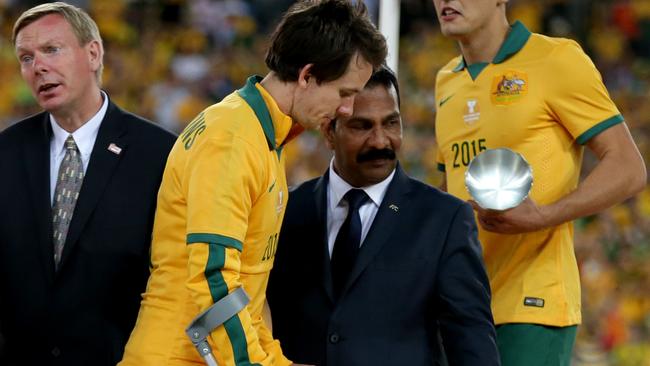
{"x": 346, "y": 108}
{"x": 38, "y": 66}
{"x": 378, "y": 138}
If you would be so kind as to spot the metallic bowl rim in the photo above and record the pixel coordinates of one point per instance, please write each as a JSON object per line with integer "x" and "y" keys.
{"x": 530, "y": 170}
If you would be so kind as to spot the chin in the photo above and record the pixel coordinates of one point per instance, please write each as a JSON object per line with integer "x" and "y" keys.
{"x": 374, "y": 176}
{"x": 452, "y": 31}
{"x": 50, "y": 105}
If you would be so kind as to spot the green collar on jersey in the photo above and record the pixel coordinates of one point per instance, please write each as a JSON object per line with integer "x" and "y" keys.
{"x": 254, "y": 99}
{"x": 515, "y": 41}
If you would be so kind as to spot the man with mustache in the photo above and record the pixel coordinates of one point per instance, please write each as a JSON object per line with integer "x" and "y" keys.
{"x": 374, "y": 267}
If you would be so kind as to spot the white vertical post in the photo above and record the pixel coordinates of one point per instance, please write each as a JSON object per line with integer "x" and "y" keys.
{"x": 389, "y": 27}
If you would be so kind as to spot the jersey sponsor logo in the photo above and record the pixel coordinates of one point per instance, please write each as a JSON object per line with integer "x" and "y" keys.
{"x": 193, "y": 130}
{"x": 534, "y": 301}
{"x": 472, "y": 112}
{"x": 509, "y": 87}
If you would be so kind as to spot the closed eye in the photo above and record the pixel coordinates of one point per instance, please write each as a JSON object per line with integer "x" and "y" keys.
{"x": 344, "y": 93}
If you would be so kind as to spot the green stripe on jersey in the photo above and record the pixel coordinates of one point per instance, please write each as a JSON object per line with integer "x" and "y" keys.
{"x": 222, "y": 240}
{"x": 216, "y": 261}
{"x": 238, "y": 341}
{"x": 219, "y": 290}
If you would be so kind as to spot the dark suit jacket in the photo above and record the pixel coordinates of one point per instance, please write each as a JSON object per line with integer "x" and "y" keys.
{"x": 82, "y": 314}
{"x": 419, "y": 278}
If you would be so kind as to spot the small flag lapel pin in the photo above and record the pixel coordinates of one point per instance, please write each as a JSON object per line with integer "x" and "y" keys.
{"x": 114, "y": 149}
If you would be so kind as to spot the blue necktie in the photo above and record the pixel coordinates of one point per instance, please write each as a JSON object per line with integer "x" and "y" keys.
{"x": 348, "y": 240}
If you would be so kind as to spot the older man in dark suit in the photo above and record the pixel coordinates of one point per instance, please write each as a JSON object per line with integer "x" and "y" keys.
{"x": 374, "y": 267}
{"x": 78, "y": 192}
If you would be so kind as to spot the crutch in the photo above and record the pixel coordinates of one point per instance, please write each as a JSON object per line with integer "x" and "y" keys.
{"x": 211, "y": 318}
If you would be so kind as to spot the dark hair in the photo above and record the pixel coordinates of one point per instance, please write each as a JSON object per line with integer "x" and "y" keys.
{"x": 384, "y": 76}
{"x": 325, "y": 33}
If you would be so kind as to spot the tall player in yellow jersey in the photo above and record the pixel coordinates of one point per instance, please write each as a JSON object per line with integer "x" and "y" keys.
{"x": 541, "y": 97}
{"x": 224, "y": 191}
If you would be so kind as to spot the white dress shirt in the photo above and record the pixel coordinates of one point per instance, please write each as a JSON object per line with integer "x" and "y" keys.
{"x": 337, "y": 207}
{"x": 84, "y": 137}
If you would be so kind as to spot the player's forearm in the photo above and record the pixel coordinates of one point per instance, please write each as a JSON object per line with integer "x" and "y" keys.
{"x": 619, "y": 175}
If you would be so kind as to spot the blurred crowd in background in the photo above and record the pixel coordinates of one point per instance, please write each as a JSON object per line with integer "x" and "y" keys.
{"x": 169, "y": 59}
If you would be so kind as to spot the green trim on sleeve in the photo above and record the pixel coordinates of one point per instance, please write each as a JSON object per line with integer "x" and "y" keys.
{"x": 602, "y": 126}
{"x": 441, "y": 167}
{"x": 238, "y": 341}
{"x": 221, "y": 240}
{"x": 219, "y": 290}
{"x": 254, "y": 99}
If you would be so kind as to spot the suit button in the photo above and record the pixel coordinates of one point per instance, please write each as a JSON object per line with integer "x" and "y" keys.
{"x": 56, "y": 352}
{"x": 334, "y": 338}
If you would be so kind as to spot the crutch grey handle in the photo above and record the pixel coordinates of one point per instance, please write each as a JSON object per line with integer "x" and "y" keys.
{"x": 211, "y": 318}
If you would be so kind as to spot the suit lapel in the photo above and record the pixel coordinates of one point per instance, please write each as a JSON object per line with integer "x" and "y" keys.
{"x": 388, "y": 217}
{"x": 37, "y": 159}
{"x": 99, "y": 172}
{"x": 320, "y": 200}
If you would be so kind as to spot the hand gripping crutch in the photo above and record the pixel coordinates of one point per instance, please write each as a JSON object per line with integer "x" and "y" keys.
{"x": 213, "y": 317}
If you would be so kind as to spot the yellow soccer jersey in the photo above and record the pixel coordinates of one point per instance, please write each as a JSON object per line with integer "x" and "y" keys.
{"x": 220, "y": 209}
{"x": 543, "y": 98}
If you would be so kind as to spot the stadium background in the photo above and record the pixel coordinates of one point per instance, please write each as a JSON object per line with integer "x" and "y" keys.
{"x": 169, "y": 59}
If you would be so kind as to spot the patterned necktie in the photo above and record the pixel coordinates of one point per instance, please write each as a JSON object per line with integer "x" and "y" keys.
{"x": 68, "y": 184}
{"x": 348, "y": 240}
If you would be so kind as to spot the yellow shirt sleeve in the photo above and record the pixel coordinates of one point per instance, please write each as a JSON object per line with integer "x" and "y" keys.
{"x": 220, "y": 193}
{"x": 577, "y": 96}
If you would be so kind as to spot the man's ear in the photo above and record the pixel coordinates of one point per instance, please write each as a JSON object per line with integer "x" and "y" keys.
{"x": 95, "y": 52}
{"x": 304, "y": 75}
{"x": 327, "y": 129}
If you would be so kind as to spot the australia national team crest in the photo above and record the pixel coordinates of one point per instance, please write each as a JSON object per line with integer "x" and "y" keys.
{"x": 509, "y": 87}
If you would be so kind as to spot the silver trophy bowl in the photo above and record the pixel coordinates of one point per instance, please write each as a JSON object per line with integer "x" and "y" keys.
{"x": 499, "y": 179}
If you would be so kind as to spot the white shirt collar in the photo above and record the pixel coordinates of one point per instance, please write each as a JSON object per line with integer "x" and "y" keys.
{"x": 339, "y": 187}
{"x": 84, "y": 136}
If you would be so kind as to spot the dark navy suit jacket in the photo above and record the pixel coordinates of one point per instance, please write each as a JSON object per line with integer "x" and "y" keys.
{"x": 418, "y": 290}
{"x": 83, "y": 313}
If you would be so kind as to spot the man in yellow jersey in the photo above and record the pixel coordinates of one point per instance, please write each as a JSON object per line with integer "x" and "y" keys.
{"x": 541, "y": 97}
{"x": 224, "y": 191}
